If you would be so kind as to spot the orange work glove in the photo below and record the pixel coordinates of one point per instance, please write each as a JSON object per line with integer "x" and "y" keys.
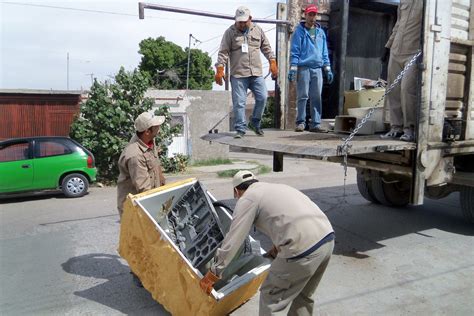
{"x": 219, "y": 74}
{"x": 208, "y": 281}
{"x": 273, "y": 68}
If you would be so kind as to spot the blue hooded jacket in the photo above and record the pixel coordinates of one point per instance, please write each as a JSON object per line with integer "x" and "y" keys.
{"x": 304, "y": 52}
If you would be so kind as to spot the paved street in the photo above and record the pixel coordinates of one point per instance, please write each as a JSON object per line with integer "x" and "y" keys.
{"x": 58, "y": 256}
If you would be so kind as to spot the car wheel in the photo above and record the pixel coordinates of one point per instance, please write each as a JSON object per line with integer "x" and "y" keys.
{"x": 74, "y": 185}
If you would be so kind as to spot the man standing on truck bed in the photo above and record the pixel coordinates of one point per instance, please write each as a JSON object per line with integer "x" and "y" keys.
{"x": 308, "y": 59}
{"x": 302, "y": 236}
{"x": 404, "y": 42}
{"x": 242, "y": 43}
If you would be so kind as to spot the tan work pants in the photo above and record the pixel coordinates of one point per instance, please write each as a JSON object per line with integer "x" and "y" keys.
{"x": 290, "y": 285}
{"x": 402, "y": 100}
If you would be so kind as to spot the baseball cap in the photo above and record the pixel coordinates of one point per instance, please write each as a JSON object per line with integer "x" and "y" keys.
{"x": 241, "y": 177}
{"x": 242, "y": 14}
{"x": 311, "y": 8}
{"x": 146, "y": 120}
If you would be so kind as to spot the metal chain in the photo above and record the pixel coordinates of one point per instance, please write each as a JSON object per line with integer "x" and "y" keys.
{"x": 344, "y": 148}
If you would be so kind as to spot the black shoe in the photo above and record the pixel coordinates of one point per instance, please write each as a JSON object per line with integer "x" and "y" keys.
{"x": 239, "y": 135}
{"x": 257, "y": 130}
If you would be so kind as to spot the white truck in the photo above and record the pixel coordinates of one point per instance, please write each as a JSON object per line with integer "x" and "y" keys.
{"x": 392, "y": 172}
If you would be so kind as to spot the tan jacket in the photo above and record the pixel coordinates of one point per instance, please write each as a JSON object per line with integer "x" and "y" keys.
{"x": 244, "y": 64}
{"x": 140, "y": 170}
{"x": 291, "y": 220}
{"x": 406, "y": 34}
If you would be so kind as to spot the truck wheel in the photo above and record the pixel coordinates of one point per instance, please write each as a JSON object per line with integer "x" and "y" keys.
{"x": 395, "y": 193}
{"x": 467, "y": 203}
{"x": 74, "y": 185}
{"x": 365, "y": 186}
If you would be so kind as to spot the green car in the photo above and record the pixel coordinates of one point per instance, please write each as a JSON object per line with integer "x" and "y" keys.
{"x": 43, "y": 163}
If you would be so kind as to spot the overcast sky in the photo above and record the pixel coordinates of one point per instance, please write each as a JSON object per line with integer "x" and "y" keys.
{"x": 100, "y": 36}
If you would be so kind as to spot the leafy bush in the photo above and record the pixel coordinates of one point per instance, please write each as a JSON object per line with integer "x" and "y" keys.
{"x": 105, "y": 122}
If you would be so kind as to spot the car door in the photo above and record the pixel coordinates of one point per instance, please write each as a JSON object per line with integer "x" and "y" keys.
{"x": 53, "y": 157}
{"x": 16, "y": 166}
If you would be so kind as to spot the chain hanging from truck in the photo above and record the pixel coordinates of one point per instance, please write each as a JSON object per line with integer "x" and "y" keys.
{"x": 344, "y": 148}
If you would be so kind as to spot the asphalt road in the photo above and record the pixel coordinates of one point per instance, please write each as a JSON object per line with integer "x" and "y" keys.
{"x": 58, "y": 256}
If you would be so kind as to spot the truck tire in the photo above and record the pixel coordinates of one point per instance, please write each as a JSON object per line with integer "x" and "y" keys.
{"x": 74, "y": 185}
{"x": 391, "y": 193}
{"x": 467, "y": 203}
{"x": 365, "y": 186}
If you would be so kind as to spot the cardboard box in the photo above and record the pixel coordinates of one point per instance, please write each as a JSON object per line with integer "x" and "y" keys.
{"x": 362, "y": 98}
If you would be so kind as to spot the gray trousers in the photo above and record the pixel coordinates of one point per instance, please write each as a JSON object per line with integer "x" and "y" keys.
{"x": 291, "y": 283}
{"x": 403, "y": 98}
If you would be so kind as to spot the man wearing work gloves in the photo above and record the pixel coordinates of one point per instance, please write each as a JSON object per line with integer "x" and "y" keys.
{"x": 242, "y": 43}
{"x": 308, "y": 60}
{"x": 302, "y": 236}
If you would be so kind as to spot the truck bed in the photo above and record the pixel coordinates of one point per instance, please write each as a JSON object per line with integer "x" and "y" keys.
{"x": 309, "y": 144}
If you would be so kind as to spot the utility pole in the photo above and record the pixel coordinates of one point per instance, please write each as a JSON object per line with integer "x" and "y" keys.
{"x": 67, "y": 72}
{"x": 189, "y": 58}
{"x": 92, "y": 78}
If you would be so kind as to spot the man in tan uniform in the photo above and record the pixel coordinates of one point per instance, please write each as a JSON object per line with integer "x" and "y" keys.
{"x": 302, "y": 236}
{"x": 139, "y": 164}
{"x": 403, "y": 44}
{"x": 242, "y": 44}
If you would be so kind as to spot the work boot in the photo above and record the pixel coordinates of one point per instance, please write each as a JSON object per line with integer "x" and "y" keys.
{"x": 239, "y": 134}
{"x": 408, "y": 135}
{"x": 395, "y": 132}
{"x": 257, "y": 130}
{"x": 318, "y": 129}
{"x": 299, "y": 128}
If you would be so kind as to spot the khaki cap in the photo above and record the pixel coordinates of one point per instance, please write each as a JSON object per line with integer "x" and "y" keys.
{"x": 242, "y": 14}
{"x": 242, "y": 176}
{"x": 146, "y": 120}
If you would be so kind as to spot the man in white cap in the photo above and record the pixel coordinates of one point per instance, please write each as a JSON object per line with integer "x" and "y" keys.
{"x": 139, "y": 164}
{"x": 241, "y": 44}
{"x": 302, "y": 236}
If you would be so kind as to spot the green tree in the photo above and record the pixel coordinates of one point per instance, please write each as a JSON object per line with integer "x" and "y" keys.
{"x": 105, "y": 122}
{"x": 166, "y": 64}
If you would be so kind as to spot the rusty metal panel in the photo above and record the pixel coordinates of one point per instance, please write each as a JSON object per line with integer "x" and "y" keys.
{"x": 23, "y": 115}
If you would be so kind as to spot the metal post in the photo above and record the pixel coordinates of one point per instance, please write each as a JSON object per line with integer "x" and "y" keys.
{"x": 142, "y": 6}
{"x": 189, "y": 58}
{"x": 341, "y": 64}
{"x": 281, "y": 84}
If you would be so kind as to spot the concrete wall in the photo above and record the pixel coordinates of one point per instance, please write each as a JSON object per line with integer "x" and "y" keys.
{"x": 202, "y": 109}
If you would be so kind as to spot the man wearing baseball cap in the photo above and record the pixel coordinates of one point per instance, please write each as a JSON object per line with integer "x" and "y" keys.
{"x": 302, "y": 236}
{"x": 139, "y": 164}
{"x": 241, "y": 44}
{"x": 308, "y": 60}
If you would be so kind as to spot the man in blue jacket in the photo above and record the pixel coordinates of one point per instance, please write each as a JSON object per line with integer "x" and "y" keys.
{"x": 308, "y": 60}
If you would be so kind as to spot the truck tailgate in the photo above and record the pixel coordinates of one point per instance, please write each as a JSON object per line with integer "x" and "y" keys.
{"x": 309, "y": 144}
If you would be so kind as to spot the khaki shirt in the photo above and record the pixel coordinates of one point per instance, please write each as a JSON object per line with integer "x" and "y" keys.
{"x": 406, "y": 34}
{"x": 140, "y": 170}
{"x": 244, "y": 64}
{"x": 291, "y": 220}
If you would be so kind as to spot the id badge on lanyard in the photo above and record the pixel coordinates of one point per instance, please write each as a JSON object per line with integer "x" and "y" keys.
{"x": 245, "y": 46}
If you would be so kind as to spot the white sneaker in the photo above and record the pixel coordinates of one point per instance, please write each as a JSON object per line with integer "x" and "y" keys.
{"x": 394, "y": 132}
{"x": 408, "y": 135}
{"x": 299, "y": 128}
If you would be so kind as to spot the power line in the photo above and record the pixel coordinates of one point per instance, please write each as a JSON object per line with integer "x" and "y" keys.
{"x": 99, "y": 11}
